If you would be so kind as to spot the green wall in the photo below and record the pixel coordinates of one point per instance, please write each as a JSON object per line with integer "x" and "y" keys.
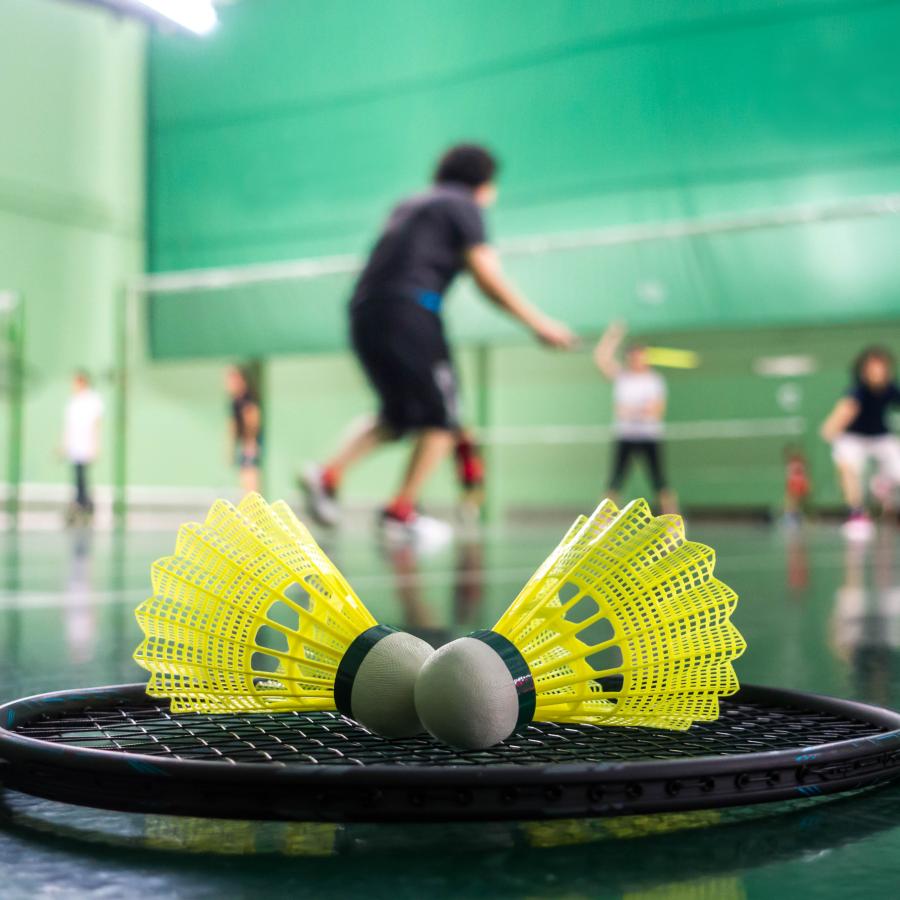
{"x": 289, "y": 132}
{"x": 292, "y": 132}
{"x": 729, "y": 425}
{"x": 71, "y": 198}
{"x": 72, "y": 232}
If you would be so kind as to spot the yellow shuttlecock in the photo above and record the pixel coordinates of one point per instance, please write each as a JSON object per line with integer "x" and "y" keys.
{"x": 623, "y": 624}
{"x": 250, "y": 614}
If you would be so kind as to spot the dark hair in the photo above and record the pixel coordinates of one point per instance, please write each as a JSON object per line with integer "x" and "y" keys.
{"x": 468, "y": 164}
{"x": 248, "y": 372}
{"x": 872, "y": 352}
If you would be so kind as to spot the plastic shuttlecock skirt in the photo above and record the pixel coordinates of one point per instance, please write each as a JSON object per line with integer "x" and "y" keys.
{"x": 623, "y": 624}
{"x": 626, "y": 624}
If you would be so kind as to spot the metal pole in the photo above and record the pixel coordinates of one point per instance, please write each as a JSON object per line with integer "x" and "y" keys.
{"x": 490, "y": 511}
{"x": 120, "y": 450}
{"x": 262, "y": 377}
{"x": 15, "y": 308}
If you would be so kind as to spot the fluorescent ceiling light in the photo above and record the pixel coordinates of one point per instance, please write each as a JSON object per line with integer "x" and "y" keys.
{"x": 785, "y": 366}
{"x": 195, "y": 15}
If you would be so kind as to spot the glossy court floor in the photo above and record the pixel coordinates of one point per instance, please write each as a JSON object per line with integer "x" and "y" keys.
{"x": 818, "y": 615}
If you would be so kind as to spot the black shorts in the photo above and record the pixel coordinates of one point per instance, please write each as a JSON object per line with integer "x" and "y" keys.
{"x": 405, "y": 355}
{"x": 626, "y": 450}
{"x": 244, "y": 460}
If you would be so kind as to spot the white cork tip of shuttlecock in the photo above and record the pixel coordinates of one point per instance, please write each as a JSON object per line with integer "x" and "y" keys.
{"x": 465, "y": 695}
{"x": 383, "y": 696}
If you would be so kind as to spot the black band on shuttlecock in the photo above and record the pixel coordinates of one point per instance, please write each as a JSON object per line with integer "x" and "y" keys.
{"x": 518, "y": 668}
{"x": 350, "y": 663}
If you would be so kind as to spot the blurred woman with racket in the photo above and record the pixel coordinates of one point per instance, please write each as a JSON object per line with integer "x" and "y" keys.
{"x": 859, "y": 433}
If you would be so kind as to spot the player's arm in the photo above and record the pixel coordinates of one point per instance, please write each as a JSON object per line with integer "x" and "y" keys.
{"x": 844, "y": 412}
{"x": 484, "y": 265}
{"x": 605, "y": 353}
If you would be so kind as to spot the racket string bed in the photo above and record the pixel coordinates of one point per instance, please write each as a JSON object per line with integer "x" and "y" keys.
{"x": 116, "y": 748}
{"x": 328, "y": 739}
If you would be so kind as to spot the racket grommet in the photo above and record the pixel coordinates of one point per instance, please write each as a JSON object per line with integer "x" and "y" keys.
{"x": 673, "y": 788}
{"x": 372, "y": 796}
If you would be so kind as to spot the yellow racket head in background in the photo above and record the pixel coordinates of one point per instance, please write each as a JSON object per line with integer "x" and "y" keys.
{"x": 671, "y": 358}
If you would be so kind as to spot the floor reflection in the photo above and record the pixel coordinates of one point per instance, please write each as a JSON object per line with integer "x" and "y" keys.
{"x": 11, "y": 617}
{"x": 468, "y": 588}
{"x": 421, "y": 616}
{"x": 79, "y": 609}
{"x": 693, "y": 854}
{"x": 797, "y": 558}
{"x": 865, "y": 623}
{"x": 818, "y": 614}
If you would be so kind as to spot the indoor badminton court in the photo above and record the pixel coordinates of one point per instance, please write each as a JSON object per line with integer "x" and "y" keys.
{"x": 449, "y": 449}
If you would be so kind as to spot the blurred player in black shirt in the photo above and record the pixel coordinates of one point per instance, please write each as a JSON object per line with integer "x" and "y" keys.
{"x": 398, "y": 335}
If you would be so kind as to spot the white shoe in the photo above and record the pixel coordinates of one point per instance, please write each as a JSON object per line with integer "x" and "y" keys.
{"x": 858, "y": 528}
{"x": 423, "y": 531}
{"x": 320, "y": 501}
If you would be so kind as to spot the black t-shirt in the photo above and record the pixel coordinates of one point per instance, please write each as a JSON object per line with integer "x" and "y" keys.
{"x": 421, "y": 249}
{"x": 873, "y": 406}
{"x": 238, "y": 406}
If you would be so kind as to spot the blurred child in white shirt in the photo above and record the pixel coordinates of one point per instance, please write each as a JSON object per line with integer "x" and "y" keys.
{"x": 81, "y": 437}
{"x": 639, "y": 400}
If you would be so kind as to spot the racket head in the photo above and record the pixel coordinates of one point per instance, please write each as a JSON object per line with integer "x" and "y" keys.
{"x": 116, "y": 748}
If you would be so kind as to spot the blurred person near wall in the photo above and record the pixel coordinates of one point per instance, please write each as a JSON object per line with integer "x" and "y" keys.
{"x": 245, "y": 425}
{"x": 82, "y": 422}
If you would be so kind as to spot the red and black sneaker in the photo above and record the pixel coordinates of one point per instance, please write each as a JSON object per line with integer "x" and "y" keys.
{"x": 400, "y": 522}
{"x": 469, "y": 464}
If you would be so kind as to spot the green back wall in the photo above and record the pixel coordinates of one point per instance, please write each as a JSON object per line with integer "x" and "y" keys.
{"x": 72, "y": 227}
{"x": 71, "y": 200}
{"x": 291, "y": 132}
